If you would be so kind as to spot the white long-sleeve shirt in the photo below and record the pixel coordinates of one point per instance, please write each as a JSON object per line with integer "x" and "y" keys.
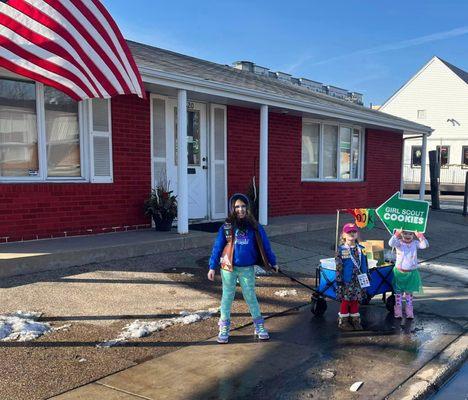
{"x": 407, "y": 253}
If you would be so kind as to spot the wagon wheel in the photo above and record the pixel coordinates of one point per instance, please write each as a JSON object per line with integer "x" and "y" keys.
{"x": 390, "y": 302}
{"x": 319, "y": 306}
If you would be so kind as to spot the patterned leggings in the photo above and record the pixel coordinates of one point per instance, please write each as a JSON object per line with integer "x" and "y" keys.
{"x": 246, "y": 277}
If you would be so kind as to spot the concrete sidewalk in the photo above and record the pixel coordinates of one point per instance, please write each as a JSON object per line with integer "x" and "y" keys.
{"x": 19, "y": 258}
{"x": 306, "y": 358}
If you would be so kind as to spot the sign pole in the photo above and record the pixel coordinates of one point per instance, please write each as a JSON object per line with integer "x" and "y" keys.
{"x": 337, "y": 239}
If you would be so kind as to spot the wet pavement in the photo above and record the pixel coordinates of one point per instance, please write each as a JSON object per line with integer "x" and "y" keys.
{"x": 307, "y": 357}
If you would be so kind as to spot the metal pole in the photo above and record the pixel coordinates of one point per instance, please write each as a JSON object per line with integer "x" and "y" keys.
{"x": 337, "y": 229}
{"x": 434, "y": 169}
{"x": 263, "y": 195}
{"x": 422, "y": 187}
{"x": 182, "y": 158}
{"x": 465, "y": 199}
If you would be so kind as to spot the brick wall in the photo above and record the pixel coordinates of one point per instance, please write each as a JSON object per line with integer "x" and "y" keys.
{"x": 243, "y": 143}
{"x": 287, "y": 194}
{"x": 383, "y": 164}
{"x": 40, "y": 210}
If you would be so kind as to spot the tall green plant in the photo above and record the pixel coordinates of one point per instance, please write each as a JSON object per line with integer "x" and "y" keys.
{"x": 161, "y": 204}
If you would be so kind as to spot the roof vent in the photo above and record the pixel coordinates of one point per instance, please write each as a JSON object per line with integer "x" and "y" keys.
{"x": 283, "y": 76}
{"x": 311, "y": 85}
{"x": 260, "y": 70}
{"x": 337, "y": 92}
{"x": 314, "y": 86}
{"x": 244, "y": 65}
{"x": 355, "y": 97}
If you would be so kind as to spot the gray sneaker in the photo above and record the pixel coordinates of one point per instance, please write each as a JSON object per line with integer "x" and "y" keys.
{"x": 223, "y": 335}
{"x": 260, "y": 330}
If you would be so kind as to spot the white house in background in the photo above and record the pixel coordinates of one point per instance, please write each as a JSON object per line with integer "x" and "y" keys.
{"x": 437, "y": 96}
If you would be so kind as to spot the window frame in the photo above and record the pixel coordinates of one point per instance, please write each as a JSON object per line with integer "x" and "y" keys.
{"x": 463, "y": 164}
{"x": 439, "y": 155}
{"x": 85, "y": 132}
{"x": 319, "y": 155}
{"x": 361, "y": 162}
{"x": 412, "y": 164}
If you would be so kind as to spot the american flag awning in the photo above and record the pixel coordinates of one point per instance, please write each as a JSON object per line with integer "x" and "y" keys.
{"x": 72, "y": 45}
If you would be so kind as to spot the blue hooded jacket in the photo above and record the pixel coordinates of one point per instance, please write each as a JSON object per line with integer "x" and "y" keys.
{"x": 345, "y": 273}
{"x": 245, "y": 248}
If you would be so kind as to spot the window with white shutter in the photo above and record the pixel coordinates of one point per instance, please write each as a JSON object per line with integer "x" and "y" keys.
{"x": 100, "y": 141}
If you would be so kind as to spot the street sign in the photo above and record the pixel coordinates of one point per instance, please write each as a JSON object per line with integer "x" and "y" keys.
{"x": 409, "y": 215}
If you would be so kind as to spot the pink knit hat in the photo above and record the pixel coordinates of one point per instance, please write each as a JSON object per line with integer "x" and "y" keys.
{"x": 350, "y": 227}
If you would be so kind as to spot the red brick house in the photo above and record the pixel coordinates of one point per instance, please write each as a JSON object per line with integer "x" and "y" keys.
{"x": 70, "y": 168}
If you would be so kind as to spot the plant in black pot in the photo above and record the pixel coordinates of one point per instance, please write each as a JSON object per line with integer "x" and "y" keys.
{"x": 162, "y": 206}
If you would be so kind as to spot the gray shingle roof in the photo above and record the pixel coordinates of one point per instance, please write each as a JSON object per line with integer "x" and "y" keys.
{"x": 462, "y": 74}
{"x": 171, "y": 62}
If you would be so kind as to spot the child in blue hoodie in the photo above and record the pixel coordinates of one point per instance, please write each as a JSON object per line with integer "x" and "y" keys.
{"x": 351, "y": 263}
{"x": 247, "y": 251}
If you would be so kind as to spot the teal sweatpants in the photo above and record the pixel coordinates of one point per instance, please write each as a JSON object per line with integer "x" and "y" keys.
{"x": 246, "y": 277}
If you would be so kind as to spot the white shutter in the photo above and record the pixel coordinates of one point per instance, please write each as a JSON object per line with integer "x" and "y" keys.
{"x": 100, "y": 141}
{"x": 218, "y": 163}
{"x": 159, "y": 123}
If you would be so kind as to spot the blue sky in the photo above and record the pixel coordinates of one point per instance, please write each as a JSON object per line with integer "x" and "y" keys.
{"x": 372, "y": 47}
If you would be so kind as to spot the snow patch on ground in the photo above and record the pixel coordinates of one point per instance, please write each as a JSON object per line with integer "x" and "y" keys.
{"x": 22, "y": 326}
{"x": 259, "y": 271}
{"x": 286, "y": 293}
{"x": 139, "y": 329}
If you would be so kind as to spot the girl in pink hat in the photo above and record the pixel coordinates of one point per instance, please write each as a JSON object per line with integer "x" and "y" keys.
{"x": 351, "y": 275}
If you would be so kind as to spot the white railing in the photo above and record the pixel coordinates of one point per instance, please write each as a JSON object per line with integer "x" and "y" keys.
{"x": 454, "y": 174}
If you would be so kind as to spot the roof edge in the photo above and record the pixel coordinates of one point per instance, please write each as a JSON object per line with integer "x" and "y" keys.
{"x": 418, "y": 72}
{"x": 181, "y": 81}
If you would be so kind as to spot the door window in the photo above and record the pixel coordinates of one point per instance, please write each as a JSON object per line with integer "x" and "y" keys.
{"x": 193, "y": 138}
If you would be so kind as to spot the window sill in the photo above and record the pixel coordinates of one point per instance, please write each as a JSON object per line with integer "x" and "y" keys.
{"x": 45, "y": 181}
{"x": 332, "y": 180}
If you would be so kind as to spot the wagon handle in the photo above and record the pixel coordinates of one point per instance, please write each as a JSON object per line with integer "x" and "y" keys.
{"x": 297, "y": 281}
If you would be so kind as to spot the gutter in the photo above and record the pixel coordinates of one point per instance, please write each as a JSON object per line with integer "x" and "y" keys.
{"x": 180, "y": 81}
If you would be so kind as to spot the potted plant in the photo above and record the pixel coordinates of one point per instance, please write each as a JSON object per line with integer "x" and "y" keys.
{"x": 162, "y": 206}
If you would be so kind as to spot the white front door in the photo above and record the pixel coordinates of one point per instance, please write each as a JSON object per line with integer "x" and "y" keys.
{"x": 197, "y": 156}
{"x": 201, "y": 186}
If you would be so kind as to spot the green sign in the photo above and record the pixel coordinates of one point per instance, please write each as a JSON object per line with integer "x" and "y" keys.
{"x": 409, "y": 215}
